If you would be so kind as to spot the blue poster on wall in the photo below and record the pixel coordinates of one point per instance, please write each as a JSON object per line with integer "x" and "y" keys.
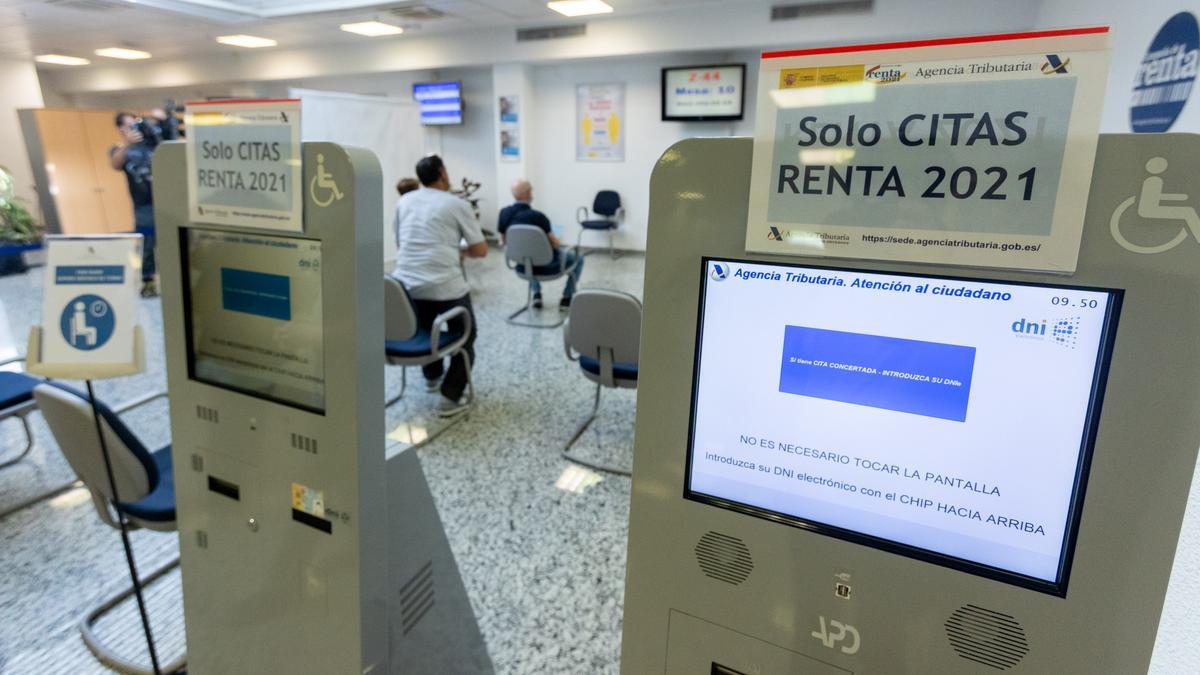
{"x": 1165, "y": 78}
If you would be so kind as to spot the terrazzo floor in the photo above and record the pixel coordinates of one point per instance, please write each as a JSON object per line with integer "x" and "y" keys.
{"x": 543, "y": 566}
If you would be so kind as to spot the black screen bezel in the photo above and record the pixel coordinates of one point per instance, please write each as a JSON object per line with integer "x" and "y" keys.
{"x": 741, "y": 114}
{"x": 186, "y": 285}
{"x": 1083, "y": 466}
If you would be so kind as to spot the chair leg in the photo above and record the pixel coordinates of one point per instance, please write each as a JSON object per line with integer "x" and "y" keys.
{"x": 109, "y": 658}
{"x": 612, "y": 251}
{"x": 28, "y": 444}
{"x": 598, "y": 466}
{"x": 512, "y": 318}
{"x": 392, "y": 401}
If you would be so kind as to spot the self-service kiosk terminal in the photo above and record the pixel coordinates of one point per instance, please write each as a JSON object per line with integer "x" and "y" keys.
{"x": 871, "y": 467}
{"x": 303, "y": 550}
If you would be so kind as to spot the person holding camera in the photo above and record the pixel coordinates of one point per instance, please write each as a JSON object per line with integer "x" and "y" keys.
{"x": 140, "y": 136}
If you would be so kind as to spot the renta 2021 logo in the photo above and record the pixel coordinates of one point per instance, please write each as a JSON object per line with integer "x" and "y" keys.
{"x": 1166, "y": 76}
{"x": 884, "y": 74}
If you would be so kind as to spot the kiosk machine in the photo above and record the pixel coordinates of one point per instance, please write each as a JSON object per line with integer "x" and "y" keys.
{"x": 1021, "y": 516}
{"x": 303, "y": 549}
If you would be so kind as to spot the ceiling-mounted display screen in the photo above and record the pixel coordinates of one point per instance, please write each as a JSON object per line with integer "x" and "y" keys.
{"x": 946, "y": 419}
{"x": 703, "y": 93}
{"x": 440, "y": 102}
{"x": 253, "y": 315}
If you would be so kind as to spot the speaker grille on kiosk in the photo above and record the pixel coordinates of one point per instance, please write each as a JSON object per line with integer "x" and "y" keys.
{"x": 724, "y": 558}
{"x": 986, "y": 636}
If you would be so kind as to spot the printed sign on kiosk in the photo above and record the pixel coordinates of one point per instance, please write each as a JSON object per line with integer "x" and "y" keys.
{"x": 966, "y": 151}
{"x": 243, "y": 162}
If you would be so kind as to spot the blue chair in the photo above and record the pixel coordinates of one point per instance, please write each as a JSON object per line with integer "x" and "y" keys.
{"x": 408, "y": 344}
{"x": 607, "y": 205}
{"x": 145, "y": 482}
{"x": 602, "y": 334}
{"x": 527, "y": 252}
{"x": 16, "y": 400}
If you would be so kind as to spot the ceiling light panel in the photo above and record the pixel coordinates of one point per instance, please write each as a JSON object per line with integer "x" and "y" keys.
{"x": 580, "y": 7}
{"x": 372, "y": 28}
{"x": 247, "y": 41}
{"x": 61, "y": 60}
{"x": 123, "y": 53}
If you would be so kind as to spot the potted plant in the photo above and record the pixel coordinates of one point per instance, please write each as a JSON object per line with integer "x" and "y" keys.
{"x": 18, "y": 230}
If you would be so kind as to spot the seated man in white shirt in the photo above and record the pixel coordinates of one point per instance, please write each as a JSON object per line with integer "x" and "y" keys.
{"x": 430, "y": 223}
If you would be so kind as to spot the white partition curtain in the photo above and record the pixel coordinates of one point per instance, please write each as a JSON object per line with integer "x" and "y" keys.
{"x": 388, "y": 126}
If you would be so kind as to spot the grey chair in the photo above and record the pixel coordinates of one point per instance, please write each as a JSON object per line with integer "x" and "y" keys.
{"x": 606, "y": 205}
{"x": 602, "y": 334}
{"x": 408, "y": 344}
{"x": 527, "y": 252}
{"x": 144, "y": 480}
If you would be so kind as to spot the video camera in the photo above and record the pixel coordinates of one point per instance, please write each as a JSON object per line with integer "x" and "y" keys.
{"x": 154, "y": 131}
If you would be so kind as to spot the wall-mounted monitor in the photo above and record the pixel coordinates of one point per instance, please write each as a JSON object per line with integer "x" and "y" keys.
{"x": 441, "y": 102}
{"x": 252, "y": 312}
{"x": 945, "y": 419}
{"x": 704, "y": 93}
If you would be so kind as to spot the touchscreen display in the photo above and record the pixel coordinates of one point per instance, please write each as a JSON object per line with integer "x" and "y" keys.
{"x": 254, "y": 315}
{"x": 947, "y": 419}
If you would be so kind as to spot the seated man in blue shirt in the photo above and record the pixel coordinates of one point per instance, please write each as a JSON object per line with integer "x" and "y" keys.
{"x": 521, "y": 212}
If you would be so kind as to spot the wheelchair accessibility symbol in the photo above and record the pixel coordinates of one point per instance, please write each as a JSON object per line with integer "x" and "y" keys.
{"x": 1154, "y": 204}
{"x": 87, "y": 322}
{"x": 325, "y": 183}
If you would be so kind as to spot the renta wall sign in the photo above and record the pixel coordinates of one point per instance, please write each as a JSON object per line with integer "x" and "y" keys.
{"x": 243, "y": 164}
{"x": 967, "y": 151}
{"x": 1165, "y": 79}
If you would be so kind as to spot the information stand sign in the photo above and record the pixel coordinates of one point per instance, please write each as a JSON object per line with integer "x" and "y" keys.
{"x": 89, "y": 308}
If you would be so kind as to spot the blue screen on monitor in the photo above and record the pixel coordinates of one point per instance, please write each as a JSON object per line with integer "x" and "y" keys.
{"x": 441, "y": 102}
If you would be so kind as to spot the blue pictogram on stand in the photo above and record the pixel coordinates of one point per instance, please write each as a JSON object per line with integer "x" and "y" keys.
{"x": 87, "y": 322}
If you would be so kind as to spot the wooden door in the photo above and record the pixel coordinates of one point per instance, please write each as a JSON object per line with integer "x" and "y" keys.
{"x": 70, "y": 171}
{"x": 101, "y": 134}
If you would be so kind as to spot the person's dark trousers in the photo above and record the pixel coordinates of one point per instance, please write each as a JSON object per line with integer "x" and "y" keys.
{"x": 456, "y": 377}
{"x": 143, "y": 218}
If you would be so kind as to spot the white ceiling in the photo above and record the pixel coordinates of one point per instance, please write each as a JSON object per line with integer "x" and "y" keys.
{"x": 181, "y": 28}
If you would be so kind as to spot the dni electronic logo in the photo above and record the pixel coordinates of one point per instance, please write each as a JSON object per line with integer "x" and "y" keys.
{"x": 1063, "y": 332}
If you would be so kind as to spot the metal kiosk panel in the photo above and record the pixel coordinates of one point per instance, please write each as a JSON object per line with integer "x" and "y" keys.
{"x": 302, "y": 549}
{"x": 714, "y": 586}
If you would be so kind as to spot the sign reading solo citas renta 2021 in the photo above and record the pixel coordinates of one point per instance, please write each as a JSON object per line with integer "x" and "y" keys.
{"x": 965, "y": 151}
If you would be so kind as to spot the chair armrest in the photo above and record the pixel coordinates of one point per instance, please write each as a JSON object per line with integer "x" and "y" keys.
{"x": 567, "y": 341}
{"x": 619, "y": 216}
{"x": 15, "y": 359}
{"x": 442, "y": 321}
{"x": 138, "y": 402}
{"x": 581, "y": 214}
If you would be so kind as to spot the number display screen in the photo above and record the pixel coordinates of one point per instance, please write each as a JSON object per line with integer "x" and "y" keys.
{"x": 703, "y": 93}
{"x": 946, "y": 419}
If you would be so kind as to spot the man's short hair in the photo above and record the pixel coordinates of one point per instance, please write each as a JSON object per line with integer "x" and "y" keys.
{"x": 122, "y": 115}
{"x": 429, "y": 170}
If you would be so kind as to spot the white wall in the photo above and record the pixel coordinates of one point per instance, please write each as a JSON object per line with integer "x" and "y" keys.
{"x": 21, "y": 90}
{"x": 564, "y": 184}
{"x": 1134, "y": 25}
{"x": 467, "y": 148}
